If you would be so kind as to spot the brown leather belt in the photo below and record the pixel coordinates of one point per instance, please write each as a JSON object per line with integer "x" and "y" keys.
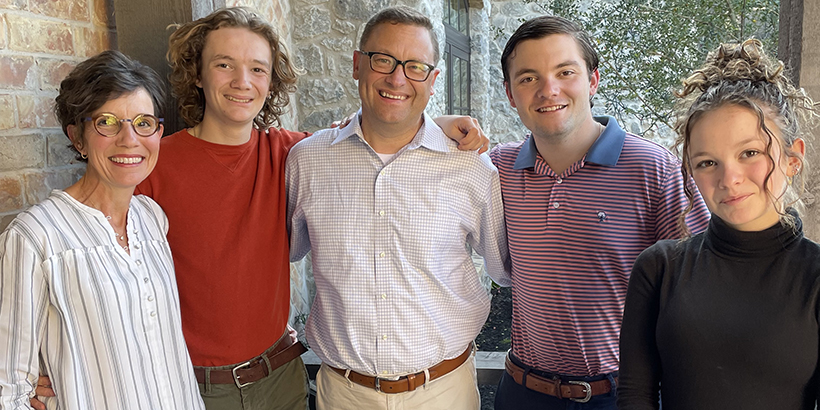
{"x": 409, "y": 382}
{"x": 255, "y": 369}
{"x": 574, "y": 390}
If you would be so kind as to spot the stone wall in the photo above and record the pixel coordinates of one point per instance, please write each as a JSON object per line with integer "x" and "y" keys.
{"x": 810, "y": 80}
{"x": 40, "y": 42}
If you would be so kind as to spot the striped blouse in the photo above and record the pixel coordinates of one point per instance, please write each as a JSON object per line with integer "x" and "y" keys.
{"x": 105, "y": 325}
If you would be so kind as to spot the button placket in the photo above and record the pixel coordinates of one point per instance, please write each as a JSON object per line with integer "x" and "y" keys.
{"x": 383, "y": 269}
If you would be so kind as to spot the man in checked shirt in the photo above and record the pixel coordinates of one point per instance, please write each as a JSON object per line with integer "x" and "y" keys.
{"x": 389, "y": 205}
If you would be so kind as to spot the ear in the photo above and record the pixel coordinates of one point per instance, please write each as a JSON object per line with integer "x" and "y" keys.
{"x": 75, "y": 137}
{"x": 594, "y": 81}
{"x": 434, "y": 74}
{"x": 356, "y": 55}
{"x": 794, "y": 163}
{"x": 509, "y": 93}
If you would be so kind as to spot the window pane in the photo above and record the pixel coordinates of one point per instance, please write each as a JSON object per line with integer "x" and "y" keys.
{"x": 462, "y": 16}
{"x": 464, "y": 91}
{"x": 453, "y": 6}
{"x": 448, "y": 84}
{"x": 456, "y": 83}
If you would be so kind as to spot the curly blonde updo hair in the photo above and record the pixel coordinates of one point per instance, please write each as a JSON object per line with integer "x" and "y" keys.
{"x": 185, "y": 57}
{"x": 744, "y": 75}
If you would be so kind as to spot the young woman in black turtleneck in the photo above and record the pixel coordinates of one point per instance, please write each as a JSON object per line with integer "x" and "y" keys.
{"x": 730, "y": 318}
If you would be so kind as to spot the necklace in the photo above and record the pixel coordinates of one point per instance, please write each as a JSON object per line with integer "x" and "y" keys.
{"x": 120, "y": 237}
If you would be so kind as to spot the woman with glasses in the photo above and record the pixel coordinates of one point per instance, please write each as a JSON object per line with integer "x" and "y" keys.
{"x": 87, "y": 288}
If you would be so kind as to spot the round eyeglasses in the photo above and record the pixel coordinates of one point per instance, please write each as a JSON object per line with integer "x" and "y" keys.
{"x": 109, "y": 125}
{"x": 386, "y": 64}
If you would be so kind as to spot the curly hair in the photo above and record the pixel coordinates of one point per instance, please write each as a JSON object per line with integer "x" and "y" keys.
{"x": 185, "y": 47}
{"x": 744, "y": 75}
{"x": 104, "y": 77}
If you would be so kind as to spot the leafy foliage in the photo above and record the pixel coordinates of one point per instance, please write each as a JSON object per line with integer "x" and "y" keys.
{"x": 648, "y": 46}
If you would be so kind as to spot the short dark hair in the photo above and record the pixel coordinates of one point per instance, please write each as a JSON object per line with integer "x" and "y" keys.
{"x": 543, "y": 26}
{"x": 102, "y": 78}
{"x": 401, "y": 15}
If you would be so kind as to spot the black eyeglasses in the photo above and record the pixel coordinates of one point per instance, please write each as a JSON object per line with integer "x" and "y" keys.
{"x": 386, "y": 64}
{"x": 109, "y": 125}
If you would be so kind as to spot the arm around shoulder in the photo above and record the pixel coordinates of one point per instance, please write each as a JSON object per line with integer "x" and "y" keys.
{"x": 289, "y": 138}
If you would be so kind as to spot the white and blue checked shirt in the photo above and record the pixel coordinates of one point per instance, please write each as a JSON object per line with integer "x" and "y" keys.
{"x": 397, "y": 291}
{"x": 106, "y": 323}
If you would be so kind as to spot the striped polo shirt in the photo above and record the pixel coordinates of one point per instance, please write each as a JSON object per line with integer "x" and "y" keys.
{"x": 573, "y": 238}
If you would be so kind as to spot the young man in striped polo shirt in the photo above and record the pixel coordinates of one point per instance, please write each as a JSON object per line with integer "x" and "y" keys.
{"x": 582, "y": 199}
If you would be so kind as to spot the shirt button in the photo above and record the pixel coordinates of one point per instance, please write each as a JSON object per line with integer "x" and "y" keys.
{"x": 384, "y": 371}
{"x": 381, "y": 213}
{"x": 384, "y": 337}
{"x": 383, "y": 173}
{"x": 150, "y": 298}
{"x": 138, "y": 262}
{"x": 556, "y": 205}
{"x": 153, "y": 314}
{"x": 559, "y": 180}
{"x": 145, "y": 279}
{"x": 381, "y": 255}
{"x": 136, "y": 246}
{"x": 384, "y": 296}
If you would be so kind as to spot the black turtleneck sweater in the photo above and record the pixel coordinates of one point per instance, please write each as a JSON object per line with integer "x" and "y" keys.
{"x": 723, "y": 320}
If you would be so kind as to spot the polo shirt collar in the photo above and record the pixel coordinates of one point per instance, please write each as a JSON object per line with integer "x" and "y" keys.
{"x": 429, "y": 135}
{"x": 604, "y": 151}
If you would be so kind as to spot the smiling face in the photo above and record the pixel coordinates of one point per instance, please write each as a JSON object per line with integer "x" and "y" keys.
{"x": 550, "y": 86}
{"x": 235, "y": 75}
{"x": 391, "y": 102}
{"x": 125, "y": 159}
{"x": 728, "y": 156}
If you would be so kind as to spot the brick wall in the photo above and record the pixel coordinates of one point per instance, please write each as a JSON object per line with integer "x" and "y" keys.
{"x": 40, "y": 42}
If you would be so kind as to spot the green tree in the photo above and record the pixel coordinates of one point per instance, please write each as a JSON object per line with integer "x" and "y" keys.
{"x": 648, "y": 46}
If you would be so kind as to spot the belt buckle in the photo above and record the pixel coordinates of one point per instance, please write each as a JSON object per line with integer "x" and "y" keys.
{"x": 236, "y": 377}
{"x": 378, "y": 386}
{"x": 586, "y": 386}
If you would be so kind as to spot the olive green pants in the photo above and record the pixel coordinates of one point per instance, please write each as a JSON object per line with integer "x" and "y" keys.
{"x": 286, "y": 388}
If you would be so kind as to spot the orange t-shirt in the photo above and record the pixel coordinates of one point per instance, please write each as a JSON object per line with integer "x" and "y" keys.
{"x": 226, "y": 210}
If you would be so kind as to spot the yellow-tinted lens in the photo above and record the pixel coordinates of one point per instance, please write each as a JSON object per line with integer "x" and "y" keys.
{"x": 145, "y": 124}
{"x": 107, "y": 124}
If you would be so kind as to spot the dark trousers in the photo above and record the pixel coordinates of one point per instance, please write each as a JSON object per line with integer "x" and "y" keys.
{"x": 513, "y": 396}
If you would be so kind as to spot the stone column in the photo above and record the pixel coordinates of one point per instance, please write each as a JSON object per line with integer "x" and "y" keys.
{"x": 799, "y": 48}
{"x": 810, "y": 80}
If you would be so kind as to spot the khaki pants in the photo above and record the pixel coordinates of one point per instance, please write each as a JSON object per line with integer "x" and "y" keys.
{"x": 457, "y": 390}
{"x": 286, "y": 388}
